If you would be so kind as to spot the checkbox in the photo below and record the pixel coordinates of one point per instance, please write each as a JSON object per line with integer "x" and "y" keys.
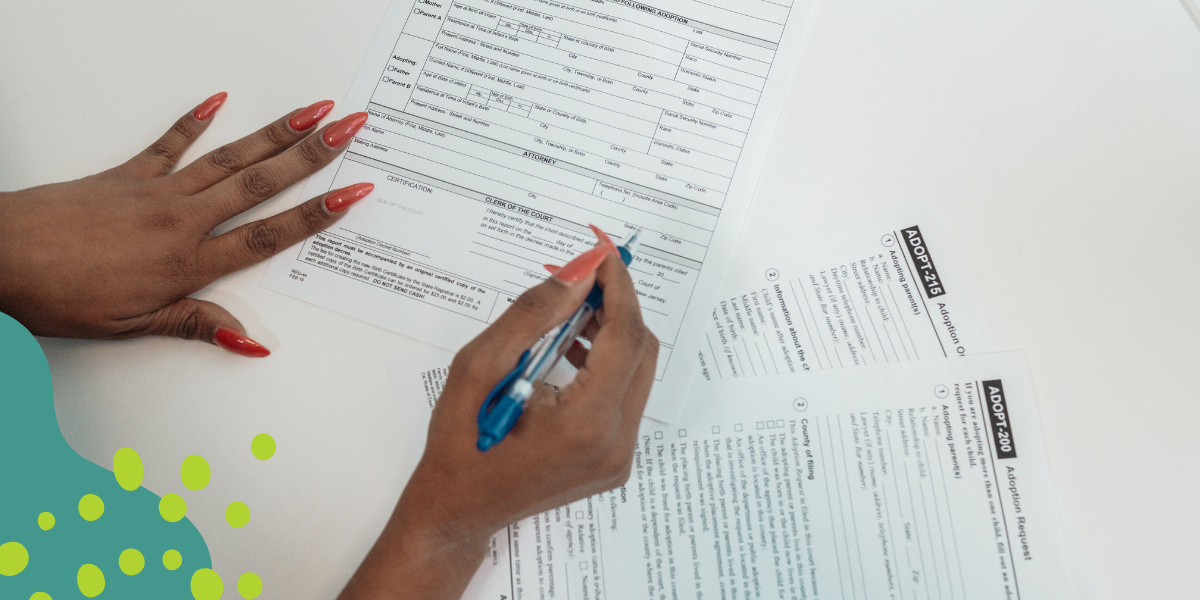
{"x": 579, "y": 514}
{"x": 770, "y": 424}
{"x": 716, "y": 429}
{"x": 737, "y": 427}
{"x": 583, "y": 565}
{"x": 760, "y": 425}
{"x": 779, "y": 423}
{"x": 658, "y": 435}
{"x": 682, "y": 433}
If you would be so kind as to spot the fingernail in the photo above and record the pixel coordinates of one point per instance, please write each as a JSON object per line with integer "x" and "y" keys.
{"x": 210, "y": 106}
{"x": 237, "y": 343}
{"x": 343, "y": 198}
{"x": 552, "y": 269}
{"x": 583, "y": 265}
{"x": 311, "y": 115}
{"x": 603, "y": 237}
{"x": 343, "y": 130}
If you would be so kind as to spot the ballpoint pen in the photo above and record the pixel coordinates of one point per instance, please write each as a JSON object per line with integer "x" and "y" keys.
{"x": 505, "y": 403}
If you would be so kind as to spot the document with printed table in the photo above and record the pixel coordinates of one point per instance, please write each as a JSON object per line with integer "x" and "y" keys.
{"x": 500, "y": 129}
{"x": 914, "y": 480}
{"x": 881, "y": 289}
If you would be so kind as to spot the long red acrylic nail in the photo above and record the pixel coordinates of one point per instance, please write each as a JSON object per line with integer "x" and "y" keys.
{"x": 603, "y": 237}
{"x": 238, "y": 343}
{"x": 310, "y": 116}
{"x": 210, "y": 106}
{"x": 583, "y": 265}
{"x": 339, "y": 133}
{"x": 345, "y": 197}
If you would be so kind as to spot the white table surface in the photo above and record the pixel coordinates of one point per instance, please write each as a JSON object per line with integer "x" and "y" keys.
{"x": 1061, "y": 141}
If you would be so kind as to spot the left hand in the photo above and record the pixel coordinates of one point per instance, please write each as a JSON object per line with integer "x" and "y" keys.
{"x": 115, "y": 255}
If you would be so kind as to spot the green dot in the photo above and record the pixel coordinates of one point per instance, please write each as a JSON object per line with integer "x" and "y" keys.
{"x": 172, "y": 507}
{"x": 46, "y": 521}
{"x": 40, "y": 596}
{"x": 91, "y": 507}
{"x": 206, "y": 585}
{"x": 238, "y": 514}
{"x": 13, "y": 558}
{"x": 249, "y": 586}
{"x": 172, "y": 559}
{"x": 262, "y": 446}
{"x": 127, "y": 466}
{"x": 194, "y": 472}
{"x": 131, "y": 562}
{"x": 90, "y": 580}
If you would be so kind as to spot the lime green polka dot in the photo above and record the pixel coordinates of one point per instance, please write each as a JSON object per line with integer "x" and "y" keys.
{"x": 90, "y": 580}
{"x": 131, "y": 562}
{"x": 194, "y": 472}
{"x": 249, "y": 586}
{"x": 46, "y": 521}
{"x": 262, "y": 446}
{"x": 206, "y": 585}
{"x": 237, "y": 514}
{"x": 91, "y": 507}
{"x": 13, "y": 558}
{"x": 172, "y": 507}
{"x": 40, "y": 596}
{"x": 127, "y": 466}
{"x": 172, "y": 559}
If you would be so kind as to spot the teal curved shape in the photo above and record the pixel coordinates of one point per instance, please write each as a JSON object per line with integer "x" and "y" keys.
{"x": 40, "y": 472}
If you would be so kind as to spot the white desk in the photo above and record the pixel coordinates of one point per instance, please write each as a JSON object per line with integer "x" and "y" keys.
{"x": 1061, "y": 141}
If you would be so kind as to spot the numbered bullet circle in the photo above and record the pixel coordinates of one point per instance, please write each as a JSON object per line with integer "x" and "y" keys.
{"x": 888, "y": 240}
{"x": 772, "y": 274}
{"x": 800, "y": 404}
{"x": 941, "y": 391}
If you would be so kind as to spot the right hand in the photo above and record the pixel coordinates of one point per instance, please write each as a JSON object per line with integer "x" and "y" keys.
{"x": 564, "y": 448}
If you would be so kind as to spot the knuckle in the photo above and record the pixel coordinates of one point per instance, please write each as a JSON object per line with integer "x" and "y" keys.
{"x": 536, "y": 300}
{"x": 261, "y": 239}
{"x": 160, "y": 150}
{"x": 256, "y": 184}
{"x": 278, "y": 134}
{"x": 164, "y": 220}
{"x": 181, "y": 129}
{"x": 313, "y": 216}
{"x": 224, "y": 160}
{"x": 310, "y": 154}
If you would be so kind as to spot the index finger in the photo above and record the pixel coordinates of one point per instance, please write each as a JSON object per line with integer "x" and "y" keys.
{"x": 620, "y": 339}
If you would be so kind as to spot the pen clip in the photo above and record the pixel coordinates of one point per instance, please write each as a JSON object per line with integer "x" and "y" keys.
{"x": 498, "y": 393}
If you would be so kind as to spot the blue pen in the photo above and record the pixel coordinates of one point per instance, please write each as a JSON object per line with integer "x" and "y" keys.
{"x": 505, "y": 403}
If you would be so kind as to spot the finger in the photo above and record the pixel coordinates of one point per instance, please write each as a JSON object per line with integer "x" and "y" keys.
{"x": 494, "y": 352}
{"x": 256, "y": 183}
{"x": 216, "y": 166}
{"x": 257, "y": 241}
{"x": 193, "y": 319}
{"x": 618, "y": 343}
{"x": 161, "y": 156}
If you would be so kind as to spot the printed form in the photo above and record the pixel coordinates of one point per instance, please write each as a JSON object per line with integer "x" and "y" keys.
{"x": 499, "y": 129}
{"x": 882, "y": 289}
{"x": 909, "y": 481}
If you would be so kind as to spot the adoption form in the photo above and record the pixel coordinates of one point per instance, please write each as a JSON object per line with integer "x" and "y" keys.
{"x": 499, "y": 129}
{"x": 881, "y": 289}
{"x": 922, "y": 480}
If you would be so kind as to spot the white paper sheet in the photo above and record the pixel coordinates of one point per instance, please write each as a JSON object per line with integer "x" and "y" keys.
{"x": 500, "y": 129}
{"x": 881, "y": 289}
{"x": 912, "y": 480}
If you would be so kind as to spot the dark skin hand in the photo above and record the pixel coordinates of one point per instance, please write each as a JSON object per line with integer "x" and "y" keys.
{"x": 116, "y": 255}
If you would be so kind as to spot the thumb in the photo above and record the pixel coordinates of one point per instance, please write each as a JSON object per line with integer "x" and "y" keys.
{"x": 193, "y": 319}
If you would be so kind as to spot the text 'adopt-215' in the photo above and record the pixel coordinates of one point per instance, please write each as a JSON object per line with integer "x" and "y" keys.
{"x": 505, "y": 403}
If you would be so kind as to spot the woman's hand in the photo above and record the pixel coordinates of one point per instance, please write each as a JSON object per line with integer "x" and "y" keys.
{"x": 116, "y": 255}
{"x": 563, "y": 448}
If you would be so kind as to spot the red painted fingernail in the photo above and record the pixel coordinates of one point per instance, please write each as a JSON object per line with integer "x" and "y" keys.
{"x": 238, "y": 343}
{"x": 311, "y": 115}
{"x": 552, "y": 269}
{"x": 343, "y": 198}
{"x": 603, "y": 237}
{"x": 583, "y": 265}
{"x": 341, "y": 132}
{"x": 210, "y": 106}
